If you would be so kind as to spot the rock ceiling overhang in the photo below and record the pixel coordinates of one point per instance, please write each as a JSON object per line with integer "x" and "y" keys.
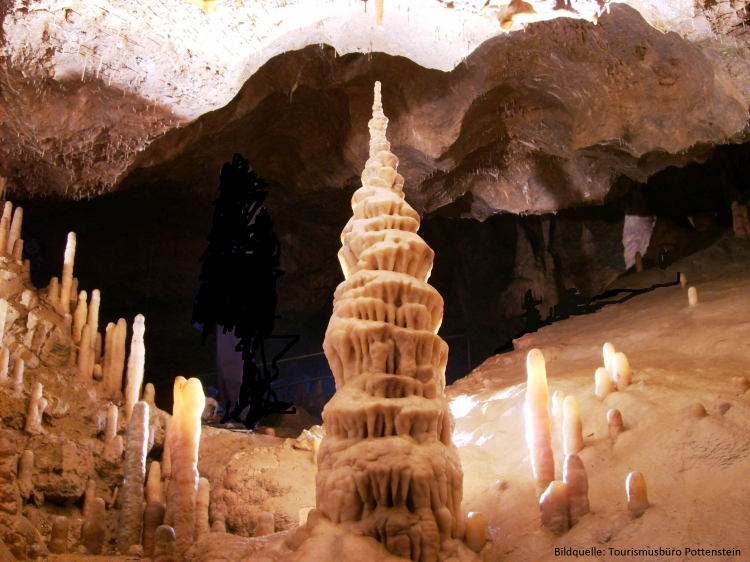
{"x": 89, "y": 85}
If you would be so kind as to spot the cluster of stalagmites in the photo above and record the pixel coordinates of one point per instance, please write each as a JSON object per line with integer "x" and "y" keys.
{"x": 387, "y": 467}
{"x": 562, "y": 503}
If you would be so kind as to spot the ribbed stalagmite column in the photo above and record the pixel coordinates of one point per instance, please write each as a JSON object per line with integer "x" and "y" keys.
{"x": 131, "y": 519}
{"x": 67, "y": 274}
{"x": 184, "y": 440}
{"x": 387, "y": 467}
{"x": 136, "y": 362}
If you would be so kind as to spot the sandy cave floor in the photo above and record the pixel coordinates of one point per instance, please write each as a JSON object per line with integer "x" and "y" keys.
{"x": 695, "y": 469}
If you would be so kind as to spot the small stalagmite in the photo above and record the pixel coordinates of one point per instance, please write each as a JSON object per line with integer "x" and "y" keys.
{"x": 4, "y": 364}
{"x": 94, "y": 529}
{"x": 14, "y": 233}
{"x": 635, "y": 485}
{"x": 53, "y": 292}
{"x": 26, "y": 474}
{"x": 109, "y": 333}
{"x": 37, "y": 405}
{"x": 697, "y": 411}
{"x": 164, "y": 545}
{"x": 558, "y": 398}
{"x": 4, "y": 228}
{"x": 184, "y": 440}
{"x": 154, "y": 485}
{"x": 93, "y": 318}
{"x": 476, "y": 531}
{"x": 266, "y": 525}
{"x": 131, "y": 519}
{"x": 149, "y": 394}
{"x": 58, "y": 543}
{"x": 202, "y": 502}
{"x": 3, "y": 317}
{"x": 18, "y": 250}
{"x": 608, "y": 351}
{"x": 18, "y": 369}
{"x": 572, "y": 427}
{"x": 219, "y": 524}
{"x": 88, "y": 496}
{"x": 113, "y": 380}
{"x": 614, "y": 424}
{"x": 692, "y": 296}
{"x": 66, "y": 282}
{"x": 84, "y": 354}
{"x": 136, "y": 362}
{"x": 638, "y": 262}
{"x": 110, "y": 425}
{"x": 80, "y": 316}
{"x": 741, "y": 383}
{"x": 577, "y": 484}
{"x": 683, "y": 280}
{"x": 621, "y": 372}
{"x": 603, "y": 383}
{"x": 554, "y": 508}
{"x": 538, "y": 425}
{"x": 153, "y": 518}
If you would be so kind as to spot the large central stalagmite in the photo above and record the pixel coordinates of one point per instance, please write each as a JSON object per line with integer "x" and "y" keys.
{"x": 387, "y": 467}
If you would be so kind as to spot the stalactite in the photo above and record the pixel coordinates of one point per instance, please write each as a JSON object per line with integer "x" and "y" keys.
{"x": 136, "y": 362}
{"x": 131, "y": 519}
{"x": 80, "y": 316}
{"x": 67, "y": 273}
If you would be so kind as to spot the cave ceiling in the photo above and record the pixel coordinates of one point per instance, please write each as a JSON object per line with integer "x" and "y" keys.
{"x": 489, "y": 113}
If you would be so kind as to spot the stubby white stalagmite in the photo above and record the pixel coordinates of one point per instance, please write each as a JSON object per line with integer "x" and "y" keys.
{"x": 80, "y": 316}
{"x": 692, "y": 296}
{"x": 184, "y": 439}
{"x": 608, "y": 351}
{"x": 603, "y": 383}
{"x": 131, "y": 519}
{"x": 538, "y": 424}
{"x": 37, "y": 405}
{"x": 387, "y": 467}
{"x": 136, "y": 362}
{"x": 621, "y": 372}
{"x": 635, "y": 485}
{"x": 614, "y": 424}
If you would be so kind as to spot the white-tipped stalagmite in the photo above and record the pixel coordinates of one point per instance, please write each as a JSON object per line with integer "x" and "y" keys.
{"x": 4, "y": 364}
{"x": 603, "y": 383}
{"x": 136, "y": 362}
{"x": 18, "y": 250}
{"x": 577, "y": 484}
{"x": 88, "y": 496}
{"x": 93, "y": 316}
{"x": 149, "y": 394}
{"x": 554, "y": 507}
{"x": 558, "y": 398}
{"x": 538, "y": 424}
{"x": 3, "y": 317}
{"x": 184, "y": 440}
{"x": 635, "y": 485}
{"x": 266, "y": 525}
{"x": 18, "y": 369}
{"x": 84, "y": 354}
{"x": 37, "y": 405}
{"x": 80, "y": 316}
{"x": 112, "y": 377}
{"x": 53, "y": 292}
{"x": 67, "y": 273}
{"x": 153, "y": 518}
{"x": 572, "y": 427}
{"x": 94, "y": 529}
{"x": 476, "y": 531}
{"x": 683, "y": 280}
{"x": 164, "y": 545}
{"x": 154, "y": 486}
{"x": 58, "y": 543}
{"x": 692, "y": 296}
{"x": 614, "y": 424}
{"x": 26, "y": 474}
{"x": 202, "y": 502}
{"x": 608, "y": 351}
{"x": 621, "y": 372}
{"x": 14, "y": 233}
{"x": 131, "y": 519}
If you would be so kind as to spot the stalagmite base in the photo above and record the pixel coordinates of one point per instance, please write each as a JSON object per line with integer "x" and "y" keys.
{"x": 131, "y": 520}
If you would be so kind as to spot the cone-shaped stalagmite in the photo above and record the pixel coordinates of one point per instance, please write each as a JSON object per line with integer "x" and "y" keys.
{"x": 389, "y": 368}
{"x": 184, "y": 439}
{"x": 554, "y": 508}
{"x": 136, "y": 362}
{"x": 614, "y": 424}
{"x": 88, "y": 496}
{"x": 538, "y": 425}
{"x": 131, "y": 520}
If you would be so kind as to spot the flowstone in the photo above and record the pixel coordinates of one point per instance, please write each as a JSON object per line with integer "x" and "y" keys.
{"x": 387, "y": 467}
